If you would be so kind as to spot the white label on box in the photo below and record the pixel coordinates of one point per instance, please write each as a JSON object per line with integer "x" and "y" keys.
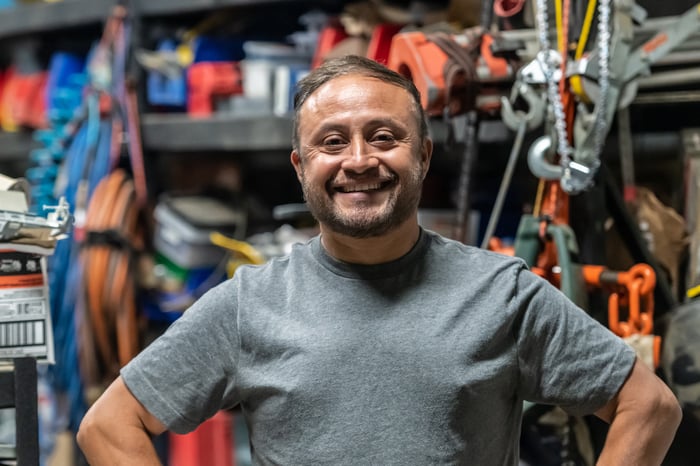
{"x": 25, "y": 320}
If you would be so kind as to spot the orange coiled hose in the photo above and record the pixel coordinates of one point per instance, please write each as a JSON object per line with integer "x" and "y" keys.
{"x": 113, "y": 239}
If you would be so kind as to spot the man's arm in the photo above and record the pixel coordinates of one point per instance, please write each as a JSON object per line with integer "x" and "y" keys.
{"x": 643, "y": 418}
{"x": 117, "y": 428}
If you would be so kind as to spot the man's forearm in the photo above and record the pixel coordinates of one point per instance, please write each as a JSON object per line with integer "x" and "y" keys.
{"x": 640, "y": 441}
{"x": 642, "y": 424}
{"x": 117, "y": 430}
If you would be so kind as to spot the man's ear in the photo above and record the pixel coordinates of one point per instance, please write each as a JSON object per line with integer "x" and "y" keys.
{"x": 295, "y": 158}
{"x": 426, "y": 155}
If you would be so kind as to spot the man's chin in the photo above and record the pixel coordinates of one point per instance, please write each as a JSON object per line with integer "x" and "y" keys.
{"x": 356, "y": 231}
{"x": 361, "y": 226}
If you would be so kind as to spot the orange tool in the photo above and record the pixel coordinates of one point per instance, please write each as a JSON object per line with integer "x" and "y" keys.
{"x": 443, "y": 65}
{"x": 415, "y": 56}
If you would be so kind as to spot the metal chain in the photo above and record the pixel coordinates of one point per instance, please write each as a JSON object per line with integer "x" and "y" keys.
{"x": 600, "y": 130}
{"x": 604, "y": 34}
{"x": 563, "y": 147}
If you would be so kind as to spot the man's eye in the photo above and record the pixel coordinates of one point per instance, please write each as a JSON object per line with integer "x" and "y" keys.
{"x": 383, "y": 137}
{"x": 333, "y": 141}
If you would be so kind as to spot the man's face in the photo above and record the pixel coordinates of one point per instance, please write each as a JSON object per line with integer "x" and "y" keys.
{"x": 361, "y": 163}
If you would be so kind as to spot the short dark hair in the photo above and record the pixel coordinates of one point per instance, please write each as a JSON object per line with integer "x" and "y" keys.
{"x": 349, "y": 65}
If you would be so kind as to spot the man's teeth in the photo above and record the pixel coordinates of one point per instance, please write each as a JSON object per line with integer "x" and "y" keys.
{"x": 361, "y": 187}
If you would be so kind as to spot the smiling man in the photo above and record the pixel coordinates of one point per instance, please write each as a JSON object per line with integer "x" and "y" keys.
{"x": 378, "y": 342}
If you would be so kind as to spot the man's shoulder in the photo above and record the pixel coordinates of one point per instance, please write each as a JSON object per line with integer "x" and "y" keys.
{"x": 454, "y": 250}
{"x": 297, "y": 254}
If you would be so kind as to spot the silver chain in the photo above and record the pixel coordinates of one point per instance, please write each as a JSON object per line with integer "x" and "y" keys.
{"x": 603, "y": 75}
{"x": 564, "y": 148}
{"x": 600, "y": 131}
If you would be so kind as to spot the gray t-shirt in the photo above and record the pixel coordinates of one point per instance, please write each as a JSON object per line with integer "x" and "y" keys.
{"x": 423, "y": 360}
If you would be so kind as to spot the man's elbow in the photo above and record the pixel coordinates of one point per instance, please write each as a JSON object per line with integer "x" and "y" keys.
{"x": 655, "y": 405}
{"x": 86, "y": 431}
{"x": 644, "y": 398}
{"x": 668, "y": 408}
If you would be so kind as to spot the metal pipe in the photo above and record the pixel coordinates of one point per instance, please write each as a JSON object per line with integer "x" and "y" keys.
{"x": 671, "y": 97}
{"x": 670, "y": 78}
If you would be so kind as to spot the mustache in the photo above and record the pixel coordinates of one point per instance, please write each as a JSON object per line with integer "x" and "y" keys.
{"x": 381, "y": 175}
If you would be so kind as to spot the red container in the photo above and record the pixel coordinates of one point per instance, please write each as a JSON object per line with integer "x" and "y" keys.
{"x": 211, "y": 444}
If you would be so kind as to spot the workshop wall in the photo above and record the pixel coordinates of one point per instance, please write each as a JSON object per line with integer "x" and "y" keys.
{"x": 180, "y": 111}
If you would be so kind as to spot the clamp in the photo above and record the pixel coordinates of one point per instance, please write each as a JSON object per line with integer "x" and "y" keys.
{"x": 58, "y": 221}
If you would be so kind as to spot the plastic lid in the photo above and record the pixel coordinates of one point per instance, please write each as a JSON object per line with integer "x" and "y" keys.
{"x": 205, "y": 212}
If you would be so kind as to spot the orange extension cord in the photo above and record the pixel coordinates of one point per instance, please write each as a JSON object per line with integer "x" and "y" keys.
{"x": 109, "y": 259}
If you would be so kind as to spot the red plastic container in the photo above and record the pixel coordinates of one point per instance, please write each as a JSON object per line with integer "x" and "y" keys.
{"x": 211, "y": 444}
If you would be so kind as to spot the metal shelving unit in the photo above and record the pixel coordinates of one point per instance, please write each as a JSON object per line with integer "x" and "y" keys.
{"x": 170, "y": 7}
{"x": 220, "y": 132}
{"x": 162, "y": 132}
{"x": 182, "y": 133}
{"x": 31, "y": 18}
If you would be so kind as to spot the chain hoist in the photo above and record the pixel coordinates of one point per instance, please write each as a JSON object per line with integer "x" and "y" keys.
{"x": 576, "y": 174}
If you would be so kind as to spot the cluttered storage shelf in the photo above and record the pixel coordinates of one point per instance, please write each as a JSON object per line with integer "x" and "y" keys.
{"x": 184, "y": 111}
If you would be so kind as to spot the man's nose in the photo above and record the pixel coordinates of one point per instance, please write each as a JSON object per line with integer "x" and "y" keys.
{"x": 360, "y": 157}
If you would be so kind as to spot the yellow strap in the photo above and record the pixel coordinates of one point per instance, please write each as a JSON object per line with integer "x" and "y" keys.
{"x": 585, "y": 29}
{"x": 693, "y": 292}
{"x": 559, "y": 21}
{"x": 575, "y": 81}
{"x": 243, "y": 253}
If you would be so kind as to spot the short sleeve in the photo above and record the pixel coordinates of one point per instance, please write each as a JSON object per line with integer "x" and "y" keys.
{"x": 187, "y": 374}
{"x": 565, "y": 357}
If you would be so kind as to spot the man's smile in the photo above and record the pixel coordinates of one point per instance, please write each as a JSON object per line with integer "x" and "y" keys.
{"x": 362, "y": 186}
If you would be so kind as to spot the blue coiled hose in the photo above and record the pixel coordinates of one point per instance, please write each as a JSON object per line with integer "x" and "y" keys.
{"x": 86, "y": 162}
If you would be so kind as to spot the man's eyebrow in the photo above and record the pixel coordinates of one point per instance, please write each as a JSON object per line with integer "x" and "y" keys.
{"x": 331, "y": 126}
{"x": 373, "y": 123}
{"x": 326, "y": 127}
{"x": 392, "y": 122}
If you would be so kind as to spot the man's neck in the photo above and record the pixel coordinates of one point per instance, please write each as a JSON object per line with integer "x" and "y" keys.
{"x": 373, "y": 250}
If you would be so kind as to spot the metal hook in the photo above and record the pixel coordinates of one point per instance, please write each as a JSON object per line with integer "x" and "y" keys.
{"x": 514, "y": 118}
{"x": 537, "y": 160}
